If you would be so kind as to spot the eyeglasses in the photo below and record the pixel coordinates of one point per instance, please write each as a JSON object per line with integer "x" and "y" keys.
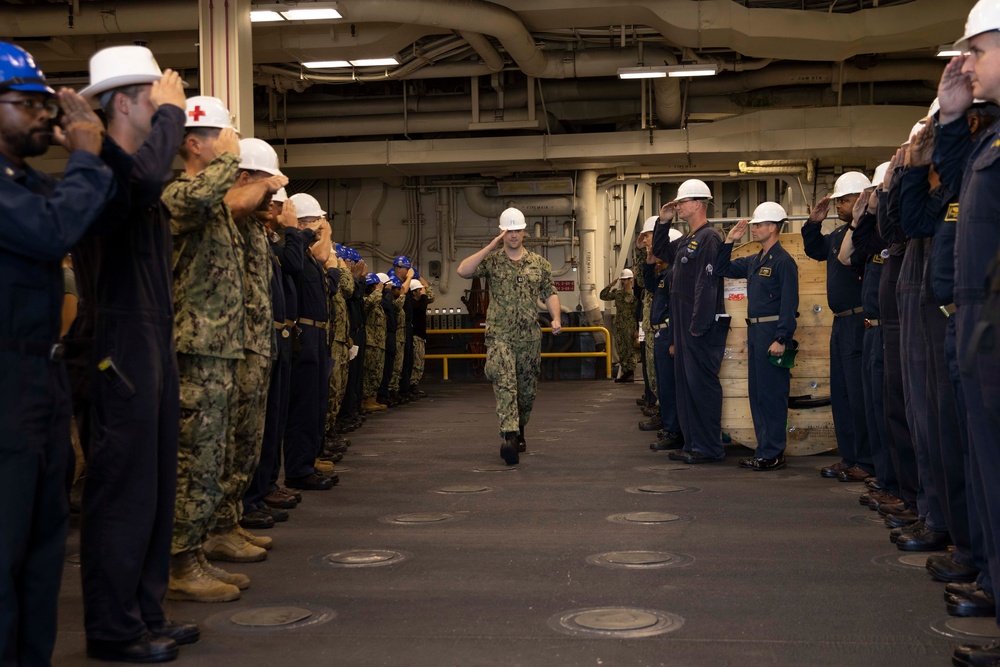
{"x": 36, "y": 106}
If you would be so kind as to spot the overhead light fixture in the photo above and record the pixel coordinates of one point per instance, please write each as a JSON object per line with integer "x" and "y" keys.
{"x": 326, "y": 64}
{"x": 374, "y": 62}
{"x": 658, "y": 72}
{"x": 293, "y": 11}
{"x": 948, "y": 51}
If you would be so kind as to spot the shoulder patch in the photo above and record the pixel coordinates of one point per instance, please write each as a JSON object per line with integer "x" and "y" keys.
{"x": 765, "y": 271}
{"x": 952, "y": 214}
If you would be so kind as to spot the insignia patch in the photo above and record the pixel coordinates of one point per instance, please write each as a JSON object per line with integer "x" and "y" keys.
{"x": 952, "y": 214}
{"x": 661, "y": 285}
{"x": 708, "y": 269}
{"x": 878, "y": 259}
{"x": 765, "y": 271}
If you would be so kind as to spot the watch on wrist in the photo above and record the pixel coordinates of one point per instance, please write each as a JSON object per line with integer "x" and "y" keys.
{"x": 779, "y": 341}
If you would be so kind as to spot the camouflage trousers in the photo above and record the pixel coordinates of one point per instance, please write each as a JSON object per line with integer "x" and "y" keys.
{"x": 341, "y": 355}
{"x": 513, "y": 368}
{"x": 240, "y": 462}
{"x": 625, "y": 345}
{"x": 397, "y": 362}
{"x": 419, "y": 349}
{"x": 208, "y": 400}
{"x": 374, "y": 361}
{"x": 649, "y": 370}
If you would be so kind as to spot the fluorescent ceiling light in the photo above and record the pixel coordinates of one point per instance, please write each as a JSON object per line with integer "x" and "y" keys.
{"x": 374, "y": 62}
{"x": 311, "y": 14}
{"x": 660, "y": 71}
{"x": 326, "y": 64}
{"x": 641, "y": 73}
{"x": 264, "y": 16}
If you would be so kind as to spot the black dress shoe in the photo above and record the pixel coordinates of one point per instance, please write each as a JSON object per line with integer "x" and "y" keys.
{"x": 896, "y": 533}
{"x": 276, "y": 513}
{"x": 668, "y": 441}
{"x": 944, "y": 568}
{"x": 923, "y": 540}
{"x": 764, "y": 465}
{"x": 834, "y": 470}
{"x": 508, "y": 450}
{"x": 979, "y": 603}
{"x": 148, "y": 648}
{"x": 257, "y": 520}
{"x": 974, "y": 655}
{"x": 697, "y": 457}
{"x": 182, "y": 633}
{"x": 961, "y": 589}
{"x": 746, "y": 463}
{"x": 331, "y": 477}
{"x": 901, "y": 520}
{"x": 311, "y": 482}
{"x": 853, "y": 474}
{"x": 873, "y": 484}
{"x": 654, "y": 424}
{"x": 641, "y": 401}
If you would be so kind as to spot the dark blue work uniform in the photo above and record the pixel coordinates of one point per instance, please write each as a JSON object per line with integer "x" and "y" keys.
{"x": 310, "y": 384}
{"x": 42, "y": 220}
{"x": 700, "y": 328}
{"x": 843, "y": 295}
{"x": 663, "y": 337}
{"x": 973, "y": 170}
{"x": 276, "y": 412}
{"x": 772, "y": 302}
{"x": 872, "y": 353}
{"x": 391, "y": 325}
{"x": 932, "y": 214}
{"x": 131, "y": 489}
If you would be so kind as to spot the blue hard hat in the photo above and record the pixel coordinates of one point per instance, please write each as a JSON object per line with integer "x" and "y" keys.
{"x": 355, "y": 256}
{"x": 371, "y": 279}
{"x": 403, "y": 262}
{"x": 396, "y": 282}
{"x": 18, "y": 71}
{"x": 338, "y": 250}
{"x": 391, "y": 272}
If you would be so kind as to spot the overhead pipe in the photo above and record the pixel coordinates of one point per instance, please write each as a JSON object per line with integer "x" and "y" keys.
{"x": 490, "y": 207}
{"x": 482, "y": 46}
{"x": 586, "y": 215}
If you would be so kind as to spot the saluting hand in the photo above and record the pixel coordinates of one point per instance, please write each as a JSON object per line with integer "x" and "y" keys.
{"x": 954, "y": 91}
{"x": 497, "y": 242}
{"x": 820, "y": 210}
{"x": 275, "y": 183}
{"x": 860, "y": 205}
{"x": 738, "y": 230}
{"x": 228, "y": 142}
{"x": 168, "y": 90}
{"x": 896, "y": 161}
{"x": 921, "y": 148}
{"x": 287, "y": 217}
{"x": 76, "y": 109}
{"x": 667, "y": 210}
{"x": 80, "y": 136}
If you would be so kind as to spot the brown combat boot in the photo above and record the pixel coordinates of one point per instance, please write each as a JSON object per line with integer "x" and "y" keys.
{"x": 189, "y": 582}
{"x": 371, "y": 404}
{"x": 256, "y": 540}
{"x": 232, "y": 547}
{"x": 241, "y": 581}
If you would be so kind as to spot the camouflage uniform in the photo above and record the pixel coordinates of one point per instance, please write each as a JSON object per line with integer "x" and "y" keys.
{"x": 513, "y": 338}
{"x": 252, "y": 375}
{"x": 420, "y": 347}
{"x": 375, "y": 346}
{"x": 340, "y": 348}
{"x": 649, "y": 368}
{"x": 209, "y": 331}
{"x": 624, "y": 325}
{"x": 397, "y": 362}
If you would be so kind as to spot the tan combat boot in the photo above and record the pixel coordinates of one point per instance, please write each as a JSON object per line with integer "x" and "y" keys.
{"x": 189, "y": 582}
{"x": 323, "y": 466}
{"x": 232, "y": 547}
{"x": 371, "y": 404}
{"x": 256, "y": 540}
{"x": 241, "y": 581}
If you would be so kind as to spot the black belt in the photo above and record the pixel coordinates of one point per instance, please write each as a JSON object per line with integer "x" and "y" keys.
{"x": 852, "y": 311}
{"x": 52, "y": 352}
{"x": 760, "y": 320}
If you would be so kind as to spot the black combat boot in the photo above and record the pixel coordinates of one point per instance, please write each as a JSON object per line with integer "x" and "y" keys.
{"x": 508, "y": 448}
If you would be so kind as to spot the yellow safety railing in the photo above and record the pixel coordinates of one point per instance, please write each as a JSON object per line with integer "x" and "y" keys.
{"x": 545, "y": 355}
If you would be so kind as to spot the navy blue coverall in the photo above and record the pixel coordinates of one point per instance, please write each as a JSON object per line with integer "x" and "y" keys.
{"x": 973, "y": 169}
{"x": 42, "y": 221}
{"x": 843, "y": 295}
{"x": 663, "y": 337}
{"x": 128, "y": 500}
{"x": 391, "y": 325}
{"x": 772, "y": 295}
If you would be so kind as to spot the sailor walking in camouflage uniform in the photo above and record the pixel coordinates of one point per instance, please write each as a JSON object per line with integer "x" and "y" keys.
{"x": 209, "y": 331}
{"x": 625, "y": 302}
{"x": 517, "y": 279}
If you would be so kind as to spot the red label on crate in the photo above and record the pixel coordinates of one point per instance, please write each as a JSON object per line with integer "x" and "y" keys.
{"x": 564, "y": 285}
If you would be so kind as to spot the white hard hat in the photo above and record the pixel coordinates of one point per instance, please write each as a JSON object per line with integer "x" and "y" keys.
{"x": 984, "y": 17}
{"x": 205, "y": 111}
{"x": 913, "y": 132}
{"x": 257, "y": 155}
{"x": 384, "y": 278}
{"x": 693, "y": 189}
{"x": 118, "y": 66}
{"x": 279, "y": 196}
{"x": 850, "y": 183}
{"x": 880, "y": 174}
{"x": 650, "y": 223}
{"x": 769, "y": 211}
{"x": 626, "y": 273}
{"x": 416, "y": 284}
{"x": 674, "y": 234}
{"x": 511, "y": 220}
{"x": 306, "y": 206}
